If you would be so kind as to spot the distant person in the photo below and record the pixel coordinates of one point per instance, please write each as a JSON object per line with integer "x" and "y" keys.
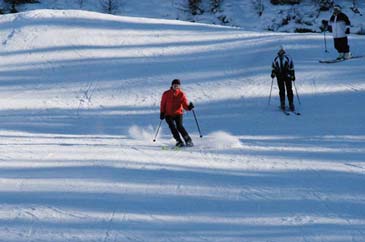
{"x": 173, "y": 103}
{"x": 339, "y": 25}
{"x": 283, "y": 70}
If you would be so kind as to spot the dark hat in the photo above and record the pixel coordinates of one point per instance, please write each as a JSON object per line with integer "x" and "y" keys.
{"x": 337, "y": 8}
{"x": 281, "y": 50}
{"x": 176, "y": 81}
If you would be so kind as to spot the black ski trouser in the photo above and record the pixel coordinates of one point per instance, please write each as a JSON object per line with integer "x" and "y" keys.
{"x": 341, "y": 45}
{"x": 285, "y": 83}
{"x": 176, "y": 126}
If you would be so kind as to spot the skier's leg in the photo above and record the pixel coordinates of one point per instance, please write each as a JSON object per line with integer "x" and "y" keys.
{"x": 170, "y": 121}
{"x": 289, "y": 90}
{"x": 342, "y": 45}
{"x": 336, "y": 42}
{"x": 281, "y": 86}
{"x": 346, "y": 45}
{"x": 346, "y": 48}
{"x": 182, "y": 130}
{"x": 339, "y": 47}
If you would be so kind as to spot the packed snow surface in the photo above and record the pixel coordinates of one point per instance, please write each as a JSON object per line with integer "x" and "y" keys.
{"x": 79, "y": 103}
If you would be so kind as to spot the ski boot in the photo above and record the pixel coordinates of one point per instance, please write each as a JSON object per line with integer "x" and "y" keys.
{"x": 180, "y": 144}
{"x": 341, "y": 56}
{"x": 291, "y": 107}
{"x": 189, "y": 143}
{"x": 282, "y": 107}
{"x": 347, "y": 55}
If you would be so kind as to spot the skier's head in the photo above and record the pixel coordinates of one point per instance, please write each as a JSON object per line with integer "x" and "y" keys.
{"x": 336, "y": 9}
{"x": 281, "y": 51}
{"x": 175, "y": 83}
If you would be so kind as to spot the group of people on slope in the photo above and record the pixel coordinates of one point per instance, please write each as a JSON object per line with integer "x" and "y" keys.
{"x": 174, "y": 100}
{"x": 283, "y": 67}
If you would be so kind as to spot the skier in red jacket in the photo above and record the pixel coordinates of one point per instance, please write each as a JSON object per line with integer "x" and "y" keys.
{"x": 173, "y": 103}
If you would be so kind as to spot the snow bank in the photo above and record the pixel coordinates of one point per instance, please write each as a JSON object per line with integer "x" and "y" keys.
{"x": 247, "y": 14}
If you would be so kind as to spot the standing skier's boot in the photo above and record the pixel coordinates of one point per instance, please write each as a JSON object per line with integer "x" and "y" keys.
{"x": 282, "y": 106}
{"x": 291, "y": 107}
{"x": 348, "y": 55}
{"x": 341, "y": 56}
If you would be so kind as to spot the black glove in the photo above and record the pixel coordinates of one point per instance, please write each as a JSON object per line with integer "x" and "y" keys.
{"x": 191, "y": 106}
{"x": 324, "y": 26}
{"x": 162, "y": 116}
{"x": 292, "y": 77}
{"x": 347, "y": 31}
{"x": 324, "y": 23}
{"x": 272, "y": 75}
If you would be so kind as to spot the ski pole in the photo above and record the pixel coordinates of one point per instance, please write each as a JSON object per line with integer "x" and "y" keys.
{"x": 297, "y": 93}
{"x": 325, "y": 42}
{"x": 197, "y": 124}
{"x": 158, "y": 129}
{"x": 272, "y": 81}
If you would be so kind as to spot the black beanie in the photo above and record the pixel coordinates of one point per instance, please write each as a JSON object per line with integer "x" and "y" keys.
{"x": 176, "y": 81}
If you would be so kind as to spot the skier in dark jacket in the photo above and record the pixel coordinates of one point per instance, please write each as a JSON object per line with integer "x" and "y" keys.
{"x": 283, "y": 70}
{"x": 173, "y": 103}
{"x": 339, "y": 25}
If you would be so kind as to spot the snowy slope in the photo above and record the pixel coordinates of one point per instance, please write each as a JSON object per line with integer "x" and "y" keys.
{"x": 79, "y": 105}
{"x": 239, "y": 13}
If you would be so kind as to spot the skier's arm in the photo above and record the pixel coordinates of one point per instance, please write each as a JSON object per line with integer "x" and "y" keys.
{"x": 291, "y": 70}
{"x": 163, "y": 106}
{"x": 184, "y": 102}
{"x": 273, "y": 73}
{"x": 332, "y": 19}
{"x": 346, "y": 19}
{"x": 348, "y": 24}
{"x": 324, "y": 26}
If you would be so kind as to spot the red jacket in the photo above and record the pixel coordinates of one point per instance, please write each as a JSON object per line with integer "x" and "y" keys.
{"x": 173, "y": 102}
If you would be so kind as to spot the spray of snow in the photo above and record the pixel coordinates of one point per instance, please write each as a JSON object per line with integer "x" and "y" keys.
{"x": 221, "y": 140}
{"x": 141, "y": 133}
{"x": 218, "y": 140}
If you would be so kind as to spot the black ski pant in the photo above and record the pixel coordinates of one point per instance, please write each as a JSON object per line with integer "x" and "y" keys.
{"x": 282, "y": 84}
{"x": 342, "y": 45}
{"x": 176, "y": 126}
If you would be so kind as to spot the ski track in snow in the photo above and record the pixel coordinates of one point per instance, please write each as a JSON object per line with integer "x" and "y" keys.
{"x": 80, "y": 104}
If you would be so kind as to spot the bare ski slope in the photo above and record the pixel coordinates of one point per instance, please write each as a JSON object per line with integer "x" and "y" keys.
{"x": 79, "y": 104}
